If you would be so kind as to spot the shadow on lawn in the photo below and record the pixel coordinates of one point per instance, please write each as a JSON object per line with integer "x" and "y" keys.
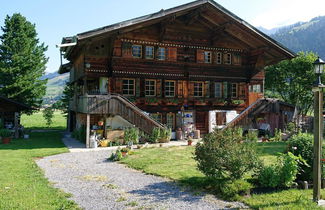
{"x": 40, "y": 140}
{"x": 165, "y": 190}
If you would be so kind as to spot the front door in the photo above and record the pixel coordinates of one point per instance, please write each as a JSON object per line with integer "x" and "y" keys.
{"x": 201, "y": 122}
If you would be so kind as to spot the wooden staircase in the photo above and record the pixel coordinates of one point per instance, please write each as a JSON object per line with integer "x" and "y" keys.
{"x": 254, "y": 108}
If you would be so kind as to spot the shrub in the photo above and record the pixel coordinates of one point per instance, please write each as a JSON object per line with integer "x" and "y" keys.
{"x": 277, "y": 135}
{"x": 281, "y": 174}
{"x": 48, "y": 114}
{"x": 231, "y": 189}
{"x": 80, "y": 134}
{"x": 5, "y": 133}
{"x": 251, "y": 136}
{"x": 117, "y": 156}
{"x": 154, "y": 135}
{"x": 222, "y": 156}
{"x": 291, "y": 127}
{"x": 302, "y": 144}
{"x": 131, "y": 135}
{"x": 160, "y": 135}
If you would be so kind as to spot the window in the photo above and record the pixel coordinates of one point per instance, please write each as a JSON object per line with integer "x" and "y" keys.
{"x": 161, "y": 53}
{"x": 198, "y": 89}
{"x": 156, "y": 116}
{"x": 228, "y": 58}
{"x": 170, "y": 120}
{"x": 219, "y": 58}
{"x": 136, "y": 51}
{"x": 169, "y": 88}
{"x": 207, "y": 57}
{"x": 128, "y": 87}
{"x": 237, "y": 59}
{"x": 255, "y": 88}
{"x": 149, "y": 52}
{"x": 234, "y": 90}
{"x": 218, "y": 90}
{"x": 150, "y": 86}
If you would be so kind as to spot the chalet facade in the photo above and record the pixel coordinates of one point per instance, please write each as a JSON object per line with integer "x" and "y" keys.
{"x": 187, "y": 64}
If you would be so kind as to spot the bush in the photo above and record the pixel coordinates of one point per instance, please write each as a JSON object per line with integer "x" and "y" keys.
{"x": 231, "y": 189}
{"x": 48, "y": 114}
{"x": 302, "y": 144}
{"x": 222, "y": 156}
{"x": 117, "y": 156}
{"x": 281, "y": 174}
{"x": 131, "y": 135}
{"x": 251, "y": 136}
{"x": 160, "y": 135}
{"x": 277, "y": 135}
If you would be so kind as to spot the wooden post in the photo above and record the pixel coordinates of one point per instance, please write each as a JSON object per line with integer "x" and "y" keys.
{"x": 88, "y": 131}
{"x": 318, "y": 136}
{"x": 16, "y": 125}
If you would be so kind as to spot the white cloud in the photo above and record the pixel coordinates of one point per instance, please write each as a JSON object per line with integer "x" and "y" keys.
{"x": 287, "y": 12}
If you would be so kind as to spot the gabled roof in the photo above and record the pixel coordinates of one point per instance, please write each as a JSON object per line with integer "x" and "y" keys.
{"x": 163, "y": 14}
{"x": 19, "y": 105}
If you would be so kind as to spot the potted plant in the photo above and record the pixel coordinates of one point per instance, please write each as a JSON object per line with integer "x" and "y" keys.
{"x": 189, "y": 142}
{"x": 125, "y": 151}
{"x": 5, "y": 134}
{"x": 165, "y": 135}
{"x": 100, "y": 123}
{"x": 200, "y": 102}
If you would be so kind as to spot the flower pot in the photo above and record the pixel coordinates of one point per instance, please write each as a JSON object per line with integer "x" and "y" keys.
{"x": 189, "y": 143}
{"x": 100, "y": 123}
{"x": 6, "y": 140}
{"x": 124, "y": 154}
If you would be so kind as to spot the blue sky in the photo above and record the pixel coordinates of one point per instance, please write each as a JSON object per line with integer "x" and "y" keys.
{"x": 55, "y": 19}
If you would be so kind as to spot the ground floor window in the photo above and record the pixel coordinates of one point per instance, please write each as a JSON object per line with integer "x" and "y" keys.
{"x": 169, "y": 88}
{"x": 170, "y": 122}
{"x": 128, "y": 87}
{"x": 150, "y": 87}
{"x": 198, "y": 89}
{"x": 218, "y": 90}
{"x": 257, "y": 88}
{"x": 234, "y": 90}
{"x": 156, "y": 116}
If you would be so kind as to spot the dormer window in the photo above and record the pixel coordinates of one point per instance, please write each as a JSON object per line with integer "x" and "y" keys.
{"x": 136, "y": 51}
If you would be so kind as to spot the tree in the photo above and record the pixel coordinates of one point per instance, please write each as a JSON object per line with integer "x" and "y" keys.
{"x": 48, "y": 115}
{"x": 22, "y": 61}
{"x": 67, "y": 95}
{"x": 292, "y": 81}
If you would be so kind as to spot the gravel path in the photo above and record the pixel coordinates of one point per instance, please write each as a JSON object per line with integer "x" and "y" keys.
{"x": 96, "y": 183}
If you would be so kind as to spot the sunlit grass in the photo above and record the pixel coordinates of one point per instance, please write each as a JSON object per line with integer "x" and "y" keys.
{"x": 37, "y": 121}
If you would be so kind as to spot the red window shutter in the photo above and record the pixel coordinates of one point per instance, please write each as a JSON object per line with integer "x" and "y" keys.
{"x": 191, "y": 89}
{"x": 118, "y": 85}
{"x": 117, "y": 48}
{"x": 180, "y": 89}
{"x": 200, "y": 56}
{"x": 172, "y": 53}
{"x": 127, "y": 49}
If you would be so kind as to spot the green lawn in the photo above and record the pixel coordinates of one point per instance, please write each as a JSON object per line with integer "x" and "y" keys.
{"x": 37, "y": 121}
{"x": 177, "y": 164}
{"x": 23, "y": 185}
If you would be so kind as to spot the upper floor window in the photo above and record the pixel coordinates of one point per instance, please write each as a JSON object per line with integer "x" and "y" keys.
{"x": 207, "y": 57}
{"x": 219, "y": 58}
{"x": 149, "y": 52}
{"x": 257, "y": 88}
{"x": 136, "y": 51}
{"x": 234, "y": 90}
{"x": 161, "y": 53}
{"x": 198, "y": 89}
{"x": 169, "y": 88}
{"x": 227, "y": 58}
{"x": 128, "y": 87}
{"x": 150, "y": 86}
{"x": 218, "y": 90}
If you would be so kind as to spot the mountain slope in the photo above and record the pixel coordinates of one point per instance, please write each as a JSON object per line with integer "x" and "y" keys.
{"x": 54, "y": 87}
{"x": 304, "y": 36}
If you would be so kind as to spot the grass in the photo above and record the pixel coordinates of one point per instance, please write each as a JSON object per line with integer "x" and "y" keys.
{"x": 176, "y": 163}
{"x": 37, "y": 121}
{"x": 23, "y": 185}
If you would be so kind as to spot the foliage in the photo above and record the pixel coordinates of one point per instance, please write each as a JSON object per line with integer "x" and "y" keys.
{"x": 23, "y": 185}
{"x": 125, "y": 149}
{"x": 231, "y": 189}
{"x": 293, "y": 80}
{"x": 4, "y": 133}
{"x": 36, "y": 121}
{"x": 48, "y": 114}
{"x": 222, "y": 156}
{"x": 22, "y": 61}
{"x": 155, "y": 134}
{"x": 291, "y": 127}
{"x": 80, "y": 134}
{"x": 277, "y": 135}
{"x": 237, "y": 102}
{"x": 281, "y": 174}
{"x": 117, "y": 156}
{"x": 165, "y": 135}
{"x": 302, "y": 144}
{"x": 67, "y": 94}
{"x": 252, "y": 135}
{"x": 131, "y": 135}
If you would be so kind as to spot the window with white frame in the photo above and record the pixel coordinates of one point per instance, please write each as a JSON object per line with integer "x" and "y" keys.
{"x": 207, "y": 56}
{"x": 198, "y": 89}
{"x": 128, "y": 87}
{"x": 218, "y": 90}
{"x": 228, "y": 58}
{"x": 136, "y": 51}
{"x": 161, "y": 53}
{"x": 150, "y": 87}
{"x": 219, "y": 58}
{"x": 169, "y": 88}
{"x": 170, "y": 120}
{"x": 234, "y": 90}
{"x": 257, "y": 88}
{"x": 150, "y": 51}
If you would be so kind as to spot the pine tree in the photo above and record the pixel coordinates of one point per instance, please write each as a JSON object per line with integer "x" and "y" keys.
{"x": 22, "y": 61}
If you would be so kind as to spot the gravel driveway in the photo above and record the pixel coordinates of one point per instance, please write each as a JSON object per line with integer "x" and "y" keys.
{"x": 96, "y": 183}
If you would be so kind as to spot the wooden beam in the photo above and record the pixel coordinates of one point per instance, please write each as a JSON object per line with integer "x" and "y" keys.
{"x": 88, "y": 130}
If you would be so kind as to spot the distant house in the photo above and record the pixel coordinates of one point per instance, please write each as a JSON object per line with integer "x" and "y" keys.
{"x": 10, "y": 113}
{"x": 197, "y": 63}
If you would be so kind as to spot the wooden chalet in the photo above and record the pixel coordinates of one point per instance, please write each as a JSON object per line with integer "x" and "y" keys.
{"x": 10, "y": 114}
{"x": 193, "y": 63}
